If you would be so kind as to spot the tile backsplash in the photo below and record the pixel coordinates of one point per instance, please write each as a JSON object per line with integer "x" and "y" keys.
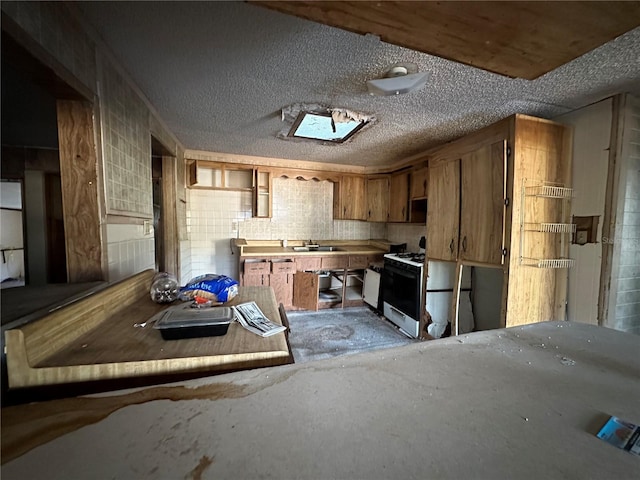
{"x": 302, "y": 210}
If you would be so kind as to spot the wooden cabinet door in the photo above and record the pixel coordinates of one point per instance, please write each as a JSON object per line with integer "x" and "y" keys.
{"x": 444, "y": 210}
{"x": 306, "y": 290}
{"x": 282, "y": 284}
{"x": 399, "y": 198}
{"x": 350, "y": 198}
{"x": 483, "y": 204}
{"x": 378, "y": 199}
{"x": 419, "y": 183}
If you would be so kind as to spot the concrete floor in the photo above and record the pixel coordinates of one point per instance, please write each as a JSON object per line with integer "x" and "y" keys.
{"x": 335, "y": 332}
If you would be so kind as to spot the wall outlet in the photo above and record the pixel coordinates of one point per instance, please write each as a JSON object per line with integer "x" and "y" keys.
{"x": 147, "y": 227}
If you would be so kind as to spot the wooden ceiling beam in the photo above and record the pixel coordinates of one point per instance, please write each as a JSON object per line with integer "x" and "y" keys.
{"x": 516, "y": 39}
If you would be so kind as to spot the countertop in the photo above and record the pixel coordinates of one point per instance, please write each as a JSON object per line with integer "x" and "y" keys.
{"x": 523, "y": 402}
{"x": 274, "y": 248}
{"x": 117, "y": 349}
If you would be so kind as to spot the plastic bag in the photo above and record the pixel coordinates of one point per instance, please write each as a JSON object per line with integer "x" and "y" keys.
{"x": 217, "y": 288}
{"x": 164, "y": 288}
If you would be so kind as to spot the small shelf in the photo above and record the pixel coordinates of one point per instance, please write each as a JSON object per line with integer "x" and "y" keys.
{"x": 548, "y": 262}
{"x": 534, "y": 251}
{"x": 549, "y": 191}
{"x": 262, "y": 201}
{"x": 550, "y": 227}
{"x": 353, "y": 294}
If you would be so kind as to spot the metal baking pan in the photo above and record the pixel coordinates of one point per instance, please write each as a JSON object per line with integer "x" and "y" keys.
{"x": 179, "y": 323}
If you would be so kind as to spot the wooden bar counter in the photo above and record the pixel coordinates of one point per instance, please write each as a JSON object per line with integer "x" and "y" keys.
{"x": 95, "y": 339}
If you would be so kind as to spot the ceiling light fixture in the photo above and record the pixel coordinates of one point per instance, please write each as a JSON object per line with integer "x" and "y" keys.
{"x": 400, "y": 78}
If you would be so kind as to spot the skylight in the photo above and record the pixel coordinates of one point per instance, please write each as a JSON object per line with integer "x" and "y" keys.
{"x": 322, "y": 126}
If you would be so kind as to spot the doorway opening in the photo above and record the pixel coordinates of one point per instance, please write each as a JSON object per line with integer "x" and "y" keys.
{"x": 31, "y": 174}
{"x": 48, "y": 148}
{"x": 11, "y": 234}
{"x": 163, "y": 172}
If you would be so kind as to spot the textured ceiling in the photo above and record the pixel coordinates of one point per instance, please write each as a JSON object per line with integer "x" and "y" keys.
{"x": 219, "y": 73}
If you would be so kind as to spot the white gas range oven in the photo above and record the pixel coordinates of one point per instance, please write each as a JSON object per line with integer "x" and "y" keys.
{"x": 402, "y": 290}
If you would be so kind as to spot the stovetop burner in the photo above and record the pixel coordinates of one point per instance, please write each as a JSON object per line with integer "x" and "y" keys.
{"x": 416, "y": 257}
{"x": 408, "y": 257}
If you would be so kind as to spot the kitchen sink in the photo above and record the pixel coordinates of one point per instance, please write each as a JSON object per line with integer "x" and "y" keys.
{"x": 316, "y": 248}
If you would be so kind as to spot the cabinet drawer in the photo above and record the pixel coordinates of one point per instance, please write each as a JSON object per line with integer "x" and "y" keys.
{"x": 252, "y": 267}
{"x": 305, "y": 264}
{"x": 358, "y": 261}
{"x": 334, "y": 262}
{"x": 283, "y": 266}
{"x": 255, "y": 280}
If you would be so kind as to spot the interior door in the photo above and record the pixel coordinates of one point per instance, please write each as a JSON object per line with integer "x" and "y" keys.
{"x": 306, "y": 290}
{"x": 483, "y": 204}
{"x": 444, "y": 210}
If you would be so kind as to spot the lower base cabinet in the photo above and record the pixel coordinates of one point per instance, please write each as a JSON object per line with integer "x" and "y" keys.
{"x": 282, "y": 284}
{"x": 310, "y": 283}
{"x": 335, "y": 288}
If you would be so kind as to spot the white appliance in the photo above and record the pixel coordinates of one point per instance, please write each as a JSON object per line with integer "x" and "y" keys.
{"x": 371, "y": 288}
{"x": 402, "y": 290}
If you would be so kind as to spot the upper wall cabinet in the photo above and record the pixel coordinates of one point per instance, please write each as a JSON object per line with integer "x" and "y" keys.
{"x": 419, "y": 183}
{"x": 378, "y": 199}
{"x": 418, "y": 195}
{"x": 212, "y": 175}
{"x": 444, "y": 209}
{"x": 399, "y": 197}
{"x": 203, "y": 174}
{"x": 481, "y": 212}
{"x": 350, "y": 198}
{"x": 467, "y": 202}
{"x": 483, "y": 196}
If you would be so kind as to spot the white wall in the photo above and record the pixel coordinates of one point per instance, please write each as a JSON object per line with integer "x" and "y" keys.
{"x": 591, "y": 139}
{"x": 624, "y": 298}
{"x": 129, "y": 250}
{"x": 409, "y": 234}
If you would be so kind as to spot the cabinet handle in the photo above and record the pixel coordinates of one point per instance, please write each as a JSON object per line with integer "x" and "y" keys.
{"x": 464, "y": 243}
{"x": 451, "y": 246}
{"x": 344, "y": 211}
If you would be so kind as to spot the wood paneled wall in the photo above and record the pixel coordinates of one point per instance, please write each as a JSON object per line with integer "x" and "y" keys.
{"x": 78, "y": 168}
